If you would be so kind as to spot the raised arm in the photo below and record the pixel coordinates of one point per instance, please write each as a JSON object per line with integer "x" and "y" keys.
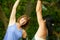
{"x": 13, "y": 13}
{"x": 39, "y": 12}
{"x": 42, "y": 31}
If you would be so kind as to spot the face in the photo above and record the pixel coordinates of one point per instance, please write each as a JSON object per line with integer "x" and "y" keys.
{"x": 23, "y": 21}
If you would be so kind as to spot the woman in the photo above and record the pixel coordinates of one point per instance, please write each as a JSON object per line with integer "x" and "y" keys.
{"x": 15, "y": 30}
{"x": 49, "y": 25}
{"x": 41, "y": 33}
{"x": 45, "y": 24}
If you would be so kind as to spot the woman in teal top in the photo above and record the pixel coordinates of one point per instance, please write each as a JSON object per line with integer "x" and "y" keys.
{"x": 15, "y": 30}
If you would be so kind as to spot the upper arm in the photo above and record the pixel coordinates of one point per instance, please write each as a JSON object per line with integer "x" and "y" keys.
{"x": 12, "y": 19}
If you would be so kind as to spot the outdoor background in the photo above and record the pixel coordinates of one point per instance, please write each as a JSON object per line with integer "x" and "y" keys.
{"x": 50, "y": 7}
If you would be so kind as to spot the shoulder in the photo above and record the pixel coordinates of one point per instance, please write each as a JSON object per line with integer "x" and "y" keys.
{"x": 12, "y": 25}
{"x": 11, "y": 28}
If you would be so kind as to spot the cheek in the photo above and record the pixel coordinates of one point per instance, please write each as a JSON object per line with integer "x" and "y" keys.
{"x": 23, "y": 22}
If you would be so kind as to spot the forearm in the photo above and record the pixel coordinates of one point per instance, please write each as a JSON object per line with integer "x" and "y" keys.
{"x": 13, "y": 13}
{"x": 16, "y": 4}
{"x": 39, "y": 12}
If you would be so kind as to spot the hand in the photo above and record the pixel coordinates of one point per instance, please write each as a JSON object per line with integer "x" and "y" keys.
{"x": 38, "y": 6}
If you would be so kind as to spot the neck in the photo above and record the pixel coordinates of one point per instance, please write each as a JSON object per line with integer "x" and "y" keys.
{"x": 18, "y": 26}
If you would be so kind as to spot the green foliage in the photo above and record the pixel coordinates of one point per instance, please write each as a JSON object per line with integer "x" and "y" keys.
{"x": 2, "y": 32}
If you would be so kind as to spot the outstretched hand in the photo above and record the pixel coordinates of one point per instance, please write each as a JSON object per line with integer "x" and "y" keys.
{"x": 38, "y": 6}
